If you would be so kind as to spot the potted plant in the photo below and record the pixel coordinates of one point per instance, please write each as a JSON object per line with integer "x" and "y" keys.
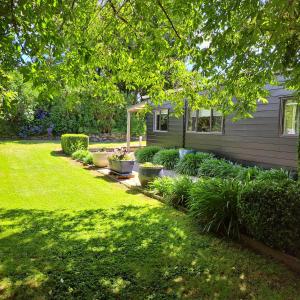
{"x": 100, "y": 158}
{"x": 148, "y": 172}
{"x": 120, "y": 161}
{"x": 183, "y": 152}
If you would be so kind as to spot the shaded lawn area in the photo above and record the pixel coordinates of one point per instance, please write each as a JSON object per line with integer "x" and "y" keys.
{"x": 67, "y": 233}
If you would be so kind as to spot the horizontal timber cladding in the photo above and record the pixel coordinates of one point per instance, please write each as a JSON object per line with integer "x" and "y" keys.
{"x": 255, "y": 141}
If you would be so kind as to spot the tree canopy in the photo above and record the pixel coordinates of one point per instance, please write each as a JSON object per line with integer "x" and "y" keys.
{"x": 168, "y": 49}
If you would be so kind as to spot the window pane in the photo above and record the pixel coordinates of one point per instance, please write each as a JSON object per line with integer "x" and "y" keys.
{"x": 164, "y": 120}
{"x": 217, "y": 121}
{"x": 157, "y": 120}
{"x": 191, "y": 120}
{"x": 291, "y": 117}
{"x": 203, "y": 124}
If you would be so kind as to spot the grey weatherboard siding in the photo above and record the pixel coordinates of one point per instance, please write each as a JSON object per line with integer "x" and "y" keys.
{"x": 256, "y": 141}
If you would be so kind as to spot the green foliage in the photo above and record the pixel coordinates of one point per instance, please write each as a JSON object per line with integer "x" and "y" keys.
{"x": 80, "y": 154}
{"x": 120, "y": 154}
{"x": 190, "y": 163}
{"x": 270, "y": 212}
{"x": 219, "y": 168}
{"x": 248, "y": 173}
{"x": 162, "y": 186}
{"x": 88, "y": 159}
{"x": 146, "y": 154}
{"x": 273, "y": 174}
{"x": 180, "y": 192}
{"x": 72, "y": 142}
{"x": 167, "y": 157}
{"x": 213, "y": 204}
{"x": 151, "y": 165}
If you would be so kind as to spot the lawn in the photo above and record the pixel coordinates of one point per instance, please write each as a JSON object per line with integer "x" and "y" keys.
{"x": 68, "y": 233}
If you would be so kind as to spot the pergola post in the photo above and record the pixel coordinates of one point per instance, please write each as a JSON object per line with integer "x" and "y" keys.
{"x": 128, "y": 131}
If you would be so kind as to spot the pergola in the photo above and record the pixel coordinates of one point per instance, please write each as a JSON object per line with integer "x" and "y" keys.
{"x": 132, "y": 109}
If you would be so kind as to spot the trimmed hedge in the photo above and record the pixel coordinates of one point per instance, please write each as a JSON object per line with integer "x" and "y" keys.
{"x": 213, "y": 204}
{"x": 190, "y": 163}
{"x": 146, "y": 154}
{"x": 72, "y": 142}
{"x": 167, "y": 157}
{"x": 270, "y": 212}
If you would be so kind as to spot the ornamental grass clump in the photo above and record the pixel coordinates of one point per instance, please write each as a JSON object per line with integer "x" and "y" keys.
{"x": 146, "y": 154}
{"x": 219, "y": 168}
{"x": 167, "y": 157}
{"x": 273, "y": 174}
{"x": 190, "y": 163}
{"x": 213, "y": 204}
{"x": 161, "y": 186}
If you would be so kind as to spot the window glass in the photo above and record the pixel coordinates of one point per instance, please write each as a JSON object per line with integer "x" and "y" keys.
{"x": 291, "y": 117}
{"x": 191, "y": 120}
{"x": 203, "y": 124}
{"x": 161, "y": 119}
{"x": 164, "y": 120}
{"x": 217, "y": 120}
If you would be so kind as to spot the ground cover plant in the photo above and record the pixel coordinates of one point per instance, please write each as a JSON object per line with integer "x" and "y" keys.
{"x": 69, "y": 233}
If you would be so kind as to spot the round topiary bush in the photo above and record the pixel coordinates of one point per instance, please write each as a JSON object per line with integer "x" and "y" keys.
{"x": 146, "y": 154}
{"x": 190, "y": 163}
{"x": 167, "y": 157}
{"x": 270, "y": 212}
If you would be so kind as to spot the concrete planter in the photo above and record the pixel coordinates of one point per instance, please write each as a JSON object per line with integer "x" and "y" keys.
{"x": 100, "y": 159}
{"x": 121, "y": 166}
{"x": 148, "y": 174}
{"x": 183, "y": 152}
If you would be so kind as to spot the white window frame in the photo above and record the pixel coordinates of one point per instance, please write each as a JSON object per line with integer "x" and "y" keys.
{"x": 207, "y": 132}
{"x": 155, "y": 120}
{"x": 283, "y": 104}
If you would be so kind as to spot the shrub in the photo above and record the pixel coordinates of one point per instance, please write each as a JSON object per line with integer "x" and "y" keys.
{"x": 72, "y": 142}
{"x": 219, "y": 168}
{"x": 270, "y": 212}
{"x": 213, "y": 203}
{"x": 273, "y": 174}
{"x": 146, "y": 154}
{"x": 161, "y": 186}
{"x": 167, "y": 157}
{"x": 88, "y": 159}
{"x": 80, "y": 154}
{"x": 180, "y": 191}
{"x": 190, "y": 163}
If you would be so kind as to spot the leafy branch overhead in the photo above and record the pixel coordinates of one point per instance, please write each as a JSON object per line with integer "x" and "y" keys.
{"x": 168, "y": 49}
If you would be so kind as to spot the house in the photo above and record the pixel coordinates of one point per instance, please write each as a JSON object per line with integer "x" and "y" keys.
{"x": 269, "y": 139}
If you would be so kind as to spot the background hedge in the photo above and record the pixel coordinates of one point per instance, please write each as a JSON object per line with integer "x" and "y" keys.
{"x": 72, "y": 142}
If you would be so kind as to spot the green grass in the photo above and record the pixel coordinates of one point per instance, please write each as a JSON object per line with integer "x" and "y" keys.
{"x": 67, "y": 233}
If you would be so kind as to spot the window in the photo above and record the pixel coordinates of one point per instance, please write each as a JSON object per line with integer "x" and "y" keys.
{"x": 205, "y": 120}
{"x": 161, "y": 120}
{"x": 291, "y": 117}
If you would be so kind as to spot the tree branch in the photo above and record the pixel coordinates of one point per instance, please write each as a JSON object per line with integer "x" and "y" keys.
{"x": 169, "y": 19}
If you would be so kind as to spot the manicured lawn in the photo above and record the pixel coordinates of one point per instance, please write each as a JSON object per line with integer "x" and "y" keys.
{"x": 67, "y": 233}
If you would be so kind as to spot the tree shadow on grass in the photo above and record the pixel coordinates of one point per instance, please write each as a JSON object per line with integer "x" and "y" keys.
{"x": 133, "y": 252}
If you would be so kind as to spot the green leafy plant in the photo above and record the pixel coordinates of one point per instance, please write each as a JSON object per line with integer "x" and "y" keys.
{"x": 213, "y": 204}
{"x": 146, "y": 154}
{"x": 72, "y": 142}
{"x": 190, "y": 164}
{"x": 88, "y": 159}
{"x": 270, "y": 212}
{"x": 248, "y": 173}
{"x": 80, "y": 154}
{"x": 219, "y": 168}
{"x": 162, "y": 186}
{"x": 151, "y": 165}
{"x": 180, "y": 191}
{"x": 167, "y": 157}
{"x": 120, "y": 154}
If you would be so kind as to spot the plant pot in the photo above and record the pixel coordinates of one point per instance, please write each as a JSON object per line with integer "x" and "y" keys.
{"x": 121, "y": 166}
{"x": 100, "y": 159}
{"x": 183, "y": 152}
{"x": 148, "y": 174}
